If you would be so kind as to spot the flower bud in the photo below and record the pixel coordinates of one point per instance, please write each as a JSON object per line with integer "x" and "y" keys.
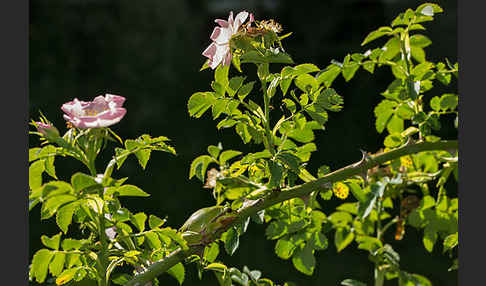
{"x": 47, "y": 130}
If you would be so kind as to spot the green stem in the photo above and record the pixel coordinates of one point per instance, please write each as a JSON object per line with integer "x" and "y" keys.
{"x": 111, "y": 165}
{"x": 268, "y": 132}
{"x": 273, "y": 198}
{"x": 104, "y": 248}
{"x": 387, "y": 226}
{"x": 379, "y": 276}
{"x": 378, "y": 221}
{"x": 159, "y": 267}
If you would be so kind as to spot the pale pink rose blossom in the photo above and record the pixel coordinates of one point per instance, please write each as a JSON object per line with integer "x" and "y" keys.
{"x": 219, "y": 51}
{"x": 103, "y": 111}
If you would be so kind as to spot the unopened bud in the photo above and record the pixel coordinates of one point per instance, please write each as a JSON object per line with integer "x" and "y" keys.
{"x": 47, "y": 130}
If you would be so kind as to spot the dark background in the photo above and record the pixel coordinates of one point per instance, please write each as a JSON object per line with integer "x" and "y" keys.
{"x": 150, "y": 52}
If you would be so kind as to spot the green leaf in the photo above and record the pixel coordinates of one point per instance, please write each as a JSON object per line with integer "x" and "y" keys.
{"x": 349, "y": 69}
{"x": 234, "y": 84}
{"x": 155, "y": 221}
{"x": 49, "y": 166}
{"x": 272, "y": 87}
{"x": 34, "y": 153}
{"x": 242, "y": 131}
{"x": 139, "y": 221}
{"x": 175, "y": 236}
{"x": 81, "y": 181}
{"x": 69, "y": 244}
{"x": 429, "y": 9}
{"x": 328, "y": 99}
{"x": 444, "y": 78}
{"x": 435, "y": 103}
{"x": 52, "y": 242}
{"x": 369, "y": 243}
{"x": 221, "y": 75}
{"x": 143, "y": 156}
{"x": 40, "y": 264}
{"x": 199, "y": 102}
{"x": 199, "y": 166}
{"x": 357, "y": 191}
{"x": 383, "y": 111}
{"x": 57, "y": 264}
{"x": 380, "y": 32}
{"x": 329, "y": 75}
{"x": 120, "y": 278}
{"x": 448, "y": 101}
{"x": 422, "y": 71}
{"x": 420, "y": 41}
{"x": 369, "y": 66}
{"x": 342, "y": 238}
{"x": 377, "y": 191}
{"x": 418, "y": 54}
{"x": 323, "y": 170}
{"x": 290, "y": 160}
{"x": 319, "y": 117}
{"x": 232, "y": 241}
{"x": 306, "y": 83}
{"x": 395, "y": 125}
{"x": 50, "y": 207}
{"x": 211, "y": 252}
{"x": 178, "y": 272}
{"x": 280, "y": 58}
{"x": 305, "y": 68}
{"x": 392, "y": 48}
{"x": 284, "y": 248}
{"x": 35, "y": 174}
{"x": 318, "y": 241}
{"x": 450, "y": 241}
{"x": 153, "y": 240}
{"x": 218, "y": 107}
{"x": 351, "y": 282}
{"x": 245, "y": 90}
{"x": 227, "y": 155}
{"x": 430, "y": 237}
{"x": 276, "y": 174}
{"x": 290, "y": 104}
{"x": 214, "y": 151}
{"x": 339, "y": 219}
{"x": 393, "y": 140}
{"x": 66, "y": 276}
{"x": 216, "y": 267}
{"x": 304, "y": 260}
{"x": 64, "y": 215}
{"x": 275, "y": 230}
{"x": 130, "y": 190}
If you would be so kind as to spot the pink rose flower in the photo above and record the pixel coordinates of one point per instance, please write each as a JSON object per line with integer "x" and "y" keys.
{"x": 219, "y": 51}
{"x": 101, "y": 112}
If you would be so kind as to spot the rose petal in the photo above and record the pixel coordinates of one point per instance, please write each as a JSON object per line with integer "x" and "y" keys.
{"x": 119, "y": 100}
{"x": 223, "y": 35}
{"x": 215, "y": 33}
{"x": 222, "y": 23}
{"x": 230, "y": 19}
{"x": 239, "y": 19}
{"x": 227, "y": 59}
{"x": 210, "y": 51}
{"x": 221, "y": 51}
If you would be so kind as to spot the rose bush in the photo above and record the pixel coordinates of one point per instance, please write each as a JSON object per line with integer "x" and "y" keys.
{"x": 402, "y": 185}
